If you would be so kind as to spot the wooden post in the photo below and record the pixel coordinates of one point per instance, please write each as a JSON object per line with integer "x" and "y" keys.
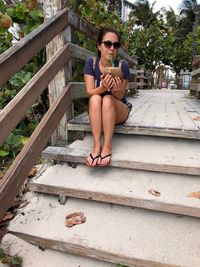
{"x": 51, "y": 7}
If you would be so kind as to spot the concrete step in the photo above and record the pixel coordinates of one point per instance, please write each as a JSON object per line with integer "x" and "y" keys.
{"x": 113, "y": 233}
{"x": 122, "y": 186}
{"x": 34, "y": 257}
{"x": 138, "y": 152}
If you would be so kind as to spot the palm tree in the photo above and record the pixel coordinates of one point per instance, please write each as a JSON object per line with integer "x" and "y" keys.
{"x": 172, "y": 19}
{"x": 144, "y": 13}
{"x": 187, "y": 17}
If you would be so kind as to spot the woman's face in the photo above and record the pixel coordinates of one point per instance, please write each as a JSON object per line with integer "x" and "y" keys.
{"x": 107, "y": 48}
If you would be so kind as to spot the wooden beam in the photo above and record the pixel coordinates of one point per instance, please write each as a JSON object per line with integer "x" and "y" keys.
{"x": 132, "y": 85}
{"x": 195, "y": 72}
{"x": 18, "y": 106}
{"x": 17, "y": 173}
{"x": 78, "y": 90}
{"x": 20, "y": 53}
{"x": 92, "y": 33}
{"x": 80, "y": 53}
{"x": 79, "y": 24}
{"x": 55, "y": 87}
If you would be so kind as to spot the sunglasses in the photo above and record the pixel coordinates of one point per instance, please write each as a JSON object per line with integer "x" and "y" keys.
{"x": 108, "y": 44}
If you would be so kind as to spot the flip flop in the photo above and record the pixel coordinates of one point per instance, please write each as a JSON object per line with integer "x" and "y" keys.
{"x": 106, "y": 156}
{"x": 93, "y": 159}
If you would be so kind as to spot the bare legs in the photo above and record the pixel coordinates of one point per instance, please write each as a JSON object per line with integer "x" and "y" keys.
{"x": 104, "y": 113}
{"x": 96, "y": 125}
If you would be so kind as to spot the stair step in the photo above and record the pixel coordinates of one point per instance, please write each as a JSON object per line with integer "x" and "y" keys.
{"x": 34, "y": 257}
{"x": 81, "y": 124}
{"x": 138, "y": 152}
{"x": 112, "y": 233}
{"x": 122, "y": 186}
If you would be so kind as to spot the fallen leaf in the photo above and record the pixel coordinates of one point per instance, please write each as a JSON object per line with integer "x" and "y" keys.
{"x": 32, "y": 173}
{"x": 74, "y": 219}
{"x": 154, "y": 192}
{"x": 195, "y": 194}
{"x": 196, "y": 118}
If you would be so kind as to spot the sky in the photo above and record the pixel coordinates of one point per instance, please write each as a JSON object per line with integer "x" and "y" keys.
{"x": 165, "y": 3}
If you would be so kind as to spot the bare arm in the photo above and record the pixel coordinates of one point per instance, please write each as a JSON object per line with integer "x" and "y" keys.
{"x": 90, "y": 85}
{"x": 119, "y": 88}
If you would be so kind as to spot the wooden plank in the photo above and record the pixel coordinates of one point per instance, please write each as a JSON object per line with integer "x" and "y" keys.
{"x": 55, "y": 87}
{"x": 195, "y": 72}
{"x": 16, "y": 174}
{"x": 173, "y": 120}
{"x": 131, "y": 85}
{"x": 111, "y": 232}
{"x": 18, "y": 106}
{"x": 139, "y": 113}
{"x": 20, "y": 53}
{"x": 78, "y": 90}
{"x": 161, "y": 112}
{"x": 196, "y": 60}
{"x": 139, "y": 130}
{"x": 128, "y": 188}
{"x": 186, "y": 121}
{"x": 80, "y": 53}
{"x": 81, "y": 25}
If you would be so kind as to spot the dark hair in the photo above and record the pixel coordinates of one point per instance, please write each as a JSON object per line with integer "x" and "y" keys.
{"x": 102, "y": 32}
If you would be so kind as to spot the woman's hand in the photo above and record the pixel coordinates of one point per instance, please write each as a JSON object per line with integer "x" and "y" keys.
{"x": 117, "y": 84}
{"x": 107, "y": 81}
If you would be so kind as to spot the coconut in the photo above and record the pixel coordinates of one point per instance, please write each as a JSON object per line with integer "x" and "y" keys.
{"x": 114, "y": 71}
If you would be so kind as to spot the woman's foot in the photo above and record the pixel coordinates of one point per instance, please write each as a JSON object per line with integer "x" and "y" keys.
{"x": 93, "y": 157}
{"x": 105, "y": 157}
{"x": 105, "y": 160}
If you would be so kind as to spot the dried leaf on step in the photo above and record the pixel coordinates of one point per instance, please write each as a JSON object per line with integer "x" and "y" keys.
{"x": 154, "y": 192}
{"x": 196, "y": 118}
{"x": 8, "y": 216}
{"x": 195, "y": 194}
{"x": 32, "y": 173}
{"x": 74, "y": 219}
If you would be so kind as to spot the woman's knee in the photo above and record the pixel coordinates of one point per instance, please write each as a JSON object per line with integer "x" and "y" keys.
{"x": 108, "y": 102}
{"x": 95, "y": 101}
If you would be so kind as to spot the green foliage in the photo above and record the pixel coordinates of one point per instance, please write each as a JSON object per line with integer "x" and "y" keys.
{"x": 10, "y": 260}
{"x": 16, "y": 21}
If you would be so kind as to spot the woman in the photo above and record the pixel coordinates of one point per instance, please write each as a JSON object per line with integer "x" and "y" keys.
{"x": 107, "y": 103}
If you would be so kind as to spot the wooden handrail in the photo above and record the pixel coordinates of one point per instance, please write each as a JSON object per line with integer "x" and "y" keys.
{"x": 196, "y": 61}
{"x": 20, "y": 53}
{"x": 17, "y": 173}
{"x": 17, "y": 107}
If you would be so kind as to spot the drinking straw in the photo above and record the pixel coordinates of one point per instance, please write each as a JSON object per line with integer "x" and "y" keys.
{"x": 111, "y": 60}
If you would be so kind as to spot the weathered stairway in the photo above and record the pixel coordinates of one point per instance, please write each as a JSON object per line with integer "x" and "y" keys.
{"x": 138, "y": 210}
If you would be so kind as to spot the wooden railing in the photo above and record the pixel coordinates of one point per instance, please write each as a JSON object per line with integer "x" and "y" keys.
{"x": 143, "y": 79}
{"x": 10, "y": 62}
{"x": 195, "y": 82}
